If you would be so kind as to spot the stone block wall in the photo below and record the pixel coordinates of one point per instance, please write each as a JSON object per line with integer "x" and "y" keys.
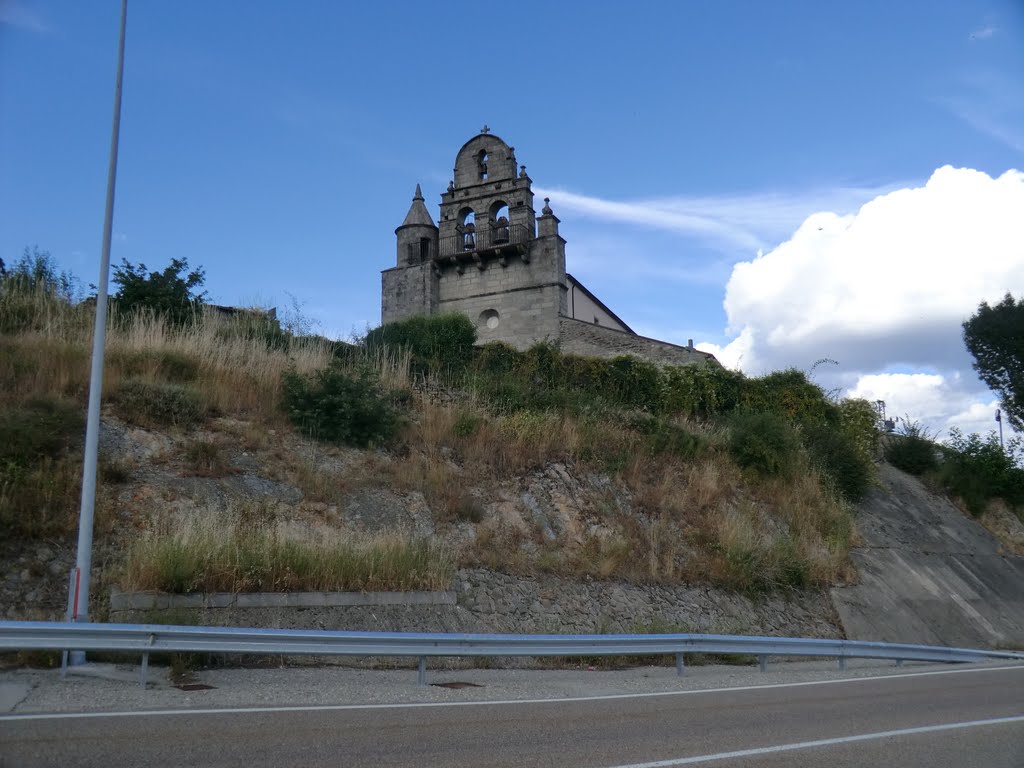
{"x": 580, "y": 338}
{"x": 518, "y": 304}
{"x": 407, "y": 292}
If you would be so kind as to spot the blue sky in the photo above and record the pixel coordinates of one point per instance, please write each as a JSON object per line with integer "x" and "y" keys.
{"x": 278, "y": 145}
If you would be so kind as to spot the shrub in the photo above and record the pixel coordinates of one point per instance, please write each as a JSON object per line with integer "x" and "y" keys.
{"x": 666, "y": 437}
{"x": 912, "y": 450}
{"x": 497, "y": 358}
{"x": 702, "y": 391}
{"x": 38, "y": 429}
{"x": 978, "y": 469}
{"x": 150, "y": 404}
{"x": 164, "y": 364}
{"x": 790, "y": 394}
{"x": 839, "y": 458}
{"x": 764, "y": 442}
{"x": 339, "y": 405}
{"x": 633, "y": 383}
{"x": 439, "y": 343}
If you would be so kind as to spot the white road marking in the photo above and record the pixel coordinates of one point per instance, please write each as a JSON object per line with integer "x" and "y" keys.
{"x": 495, "y": 703}
{"x": 822, "y": 743}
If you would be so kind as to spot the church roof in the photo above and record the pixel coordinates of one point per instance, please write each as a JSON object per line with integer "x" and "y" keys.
{"x": 418, "y": 213}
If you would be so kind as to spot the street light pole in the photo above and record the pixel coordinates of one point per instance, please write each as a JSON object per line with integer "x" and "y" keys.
{"x": 83, "y": 563}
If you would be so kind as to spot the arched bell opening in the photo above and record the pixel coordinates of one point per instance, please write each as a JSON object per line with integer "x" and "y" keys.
{"x": 467, "y": 227}
{"x": 498, "y": 220}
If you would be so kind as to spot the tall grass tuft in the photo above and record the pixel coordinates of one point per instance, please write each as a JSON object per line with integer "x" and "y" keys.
{"x": 232, "y": 553}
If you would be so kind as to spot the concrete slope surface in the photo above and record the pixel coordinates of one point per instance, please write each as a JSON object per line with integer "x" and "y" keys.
{"x": 929, "y": 574}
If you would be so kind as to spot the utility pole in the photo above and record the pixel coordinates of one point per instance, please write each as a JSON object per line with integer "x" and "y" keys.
{"x": 83, "y": 563}
{"x": 999, "y": 421}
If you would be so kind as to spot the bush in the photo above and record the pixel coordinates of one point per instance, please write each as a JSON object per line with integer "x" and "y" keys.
{"x": 702, "y": 391}
{"x": 439, "y": 343}
{"x": 39, "y": 482}
{"x": 790, "y": 394}
{"x": 340, "y": 405}
{"x": 162, "y": 364}
{"x": 764, "y": 442}
{"x": 912, "y": 450}
{"x": 150, "y": 404}
{"x": 38, "y": 429}
{"x": 839, "y": 459}
{"x": 978, "y": 469}
{"x": 632, "y": 383}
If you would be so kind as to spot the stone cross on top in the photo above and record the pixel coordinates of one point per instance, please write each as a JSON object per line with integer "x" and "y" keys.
{"x": 485, "y": 129}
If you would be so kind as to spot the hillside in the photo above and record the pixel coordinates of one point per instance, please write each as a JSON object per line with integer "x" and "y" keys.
{"x": 237, "y": 458}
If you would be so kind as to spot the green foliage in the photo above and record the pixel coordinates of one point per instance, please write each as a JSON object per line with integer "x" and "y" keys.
{"x": 995, "y": 337}
{"x": 38, "y": 480}
{"x": 166, "y": 365}
{"x": 497, "y": 358}
{"x": 439, "y": 343}
{"x": 839, "y": 459}
{"x": 789, "y": 394}
{"x": 702, "y": 391}
{"x": 341, "y": 405}
{"x": 978, "y": 469}
{"x": 912, "y": 450}
{"x": 158, "y": 404}
{"x": 37, "y": 271}
{"x": 632, "y": 383}
{"x": 37, "y": 429}
{"x": 764, "y": 442}
{"x": 33, "y": 291}
{"x": 664, "y": 437}
{"x": 170, "y": 294}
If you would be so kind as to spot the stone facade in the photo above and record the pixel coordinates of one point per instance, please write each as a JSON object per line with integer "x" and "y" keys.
{"x": 493, "y": 259}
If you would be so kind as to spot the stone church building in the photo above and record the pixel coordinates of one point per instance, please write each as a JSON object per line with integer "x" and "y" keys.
{"x": 491, "y": 257}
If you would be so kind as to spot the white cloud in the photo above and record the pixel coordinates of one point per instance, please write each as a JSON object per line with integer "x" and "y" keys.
{"x": 937, "y": 401}
{"x": 889, "y": 284}
{"x": 984, "y": 33}
{"x": 886, "y": 289}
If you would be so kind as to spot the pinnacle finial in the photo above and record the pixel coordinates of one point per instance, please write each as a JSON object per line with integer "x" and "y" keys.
{"x": 418, "y": 195}
{"x": 485, "y": 129}
{"x": 546, "y": 210}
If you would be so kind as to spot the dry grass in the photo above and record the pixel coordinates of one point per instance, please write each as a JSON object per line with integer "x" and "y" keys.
{"x": 247, "y": 550}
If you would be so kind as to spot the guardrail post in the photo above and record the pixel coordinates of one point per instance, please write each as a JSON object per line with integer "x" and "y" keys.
{"x": 762, "y": 662}
{"x": 143, "y": 669}
{"x": 842, "y": 663}
{"x": 899, "y": 662}
{"x": 680, "y": 664}
{"x": 421, "y": 671}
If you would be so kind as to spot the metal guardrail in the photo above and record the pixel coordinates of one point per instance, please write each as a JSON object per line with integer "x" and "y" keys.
{"x": 152, "y": 638}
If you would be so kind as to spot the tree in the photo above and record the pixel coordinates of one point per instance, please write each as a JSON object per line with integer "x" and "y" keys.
{"x": 995, "y": 337}
{"x": 170, "y": 294}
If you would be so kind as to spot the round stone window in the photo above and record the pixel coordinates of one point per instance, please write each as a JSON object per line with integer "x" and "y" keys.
{"x": 489, "y": 319}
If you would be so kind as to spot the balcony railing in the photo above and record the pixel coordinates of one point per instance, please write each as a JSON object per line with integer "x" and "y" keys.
{"x": 486, "y": 239}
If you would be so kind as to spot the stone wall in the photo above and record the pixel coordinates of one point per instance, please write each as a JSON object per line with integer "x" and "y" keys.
{"x": 495, "y": 602}
{"x": 523, "y": 298}
{"x": 579, "y": 338}
{"x": 407, "y": 292}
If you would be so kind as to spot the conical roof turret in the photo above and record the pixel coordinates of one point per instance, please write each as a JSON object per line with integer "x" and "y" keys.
{"x": 418, "y": 214}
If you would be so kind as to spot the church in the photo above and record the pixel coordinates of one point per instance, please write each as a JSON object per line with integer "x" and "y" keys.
{"x": 492, "y": 258}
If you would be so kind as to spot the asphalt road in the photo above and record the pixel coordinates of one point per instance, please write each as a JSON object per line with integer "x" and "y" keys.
{"x": 933, "y": 720}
